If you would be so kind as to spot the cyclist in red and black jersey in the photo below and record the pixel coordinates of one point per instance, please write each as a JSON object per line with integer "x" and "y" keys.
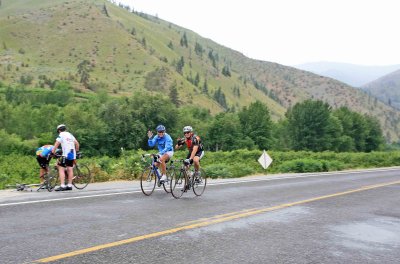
{"x": 194, "y": 145}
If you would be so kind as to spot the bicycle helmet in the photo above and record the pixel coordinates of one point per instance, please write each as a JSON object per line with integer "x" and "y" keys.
{"x": 160, "y": 128}
{"x": 61, "y": 127}
{"x": 59, "y": 152}
{"x": 187, "y": 129}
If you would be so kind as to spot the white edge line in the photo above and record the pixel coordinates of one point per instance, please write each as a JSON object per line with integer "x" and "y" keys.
{"x": 270, "y": 178}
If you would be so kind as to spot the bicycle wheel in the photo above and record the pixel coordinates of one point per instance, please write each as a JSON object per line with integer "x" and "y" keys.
{"x": 178, "y": 184}
{"x": 199, "y": 182}
{"x": 51, "y": 179}
{"x": 167, "y": 185}
{"x": 148, "y": 181}
{"x": 82, "y": 176}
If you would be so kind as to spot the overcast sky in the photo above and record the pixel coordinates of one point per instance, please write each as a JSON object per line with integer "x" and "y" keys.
{"x": 291, "y": 32}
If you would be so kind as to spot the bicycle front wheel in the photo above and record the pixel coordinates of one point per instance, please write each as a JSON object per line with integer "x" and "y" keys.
{"x": 82, "y": 176}
{"x": 51, "y": 179}
{"x": 148, "y": 181}
{"x": 199, "y": 182}
{"x": 178, "y": 184}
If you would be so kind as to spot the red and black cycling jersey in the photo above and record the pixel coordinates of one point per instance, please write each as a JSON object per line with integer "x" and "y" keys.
{"x": 194, "y": 141}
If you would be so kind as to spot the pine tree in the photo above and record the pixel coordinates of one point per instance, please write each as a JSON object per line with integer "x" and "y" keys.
{"x": 173, "y": 95}
{"x": 184, "y": 41}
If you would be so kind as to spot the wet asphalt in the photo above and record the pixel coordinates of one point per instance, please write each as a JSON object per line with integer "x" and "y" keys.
{"x": 344, "y": 217}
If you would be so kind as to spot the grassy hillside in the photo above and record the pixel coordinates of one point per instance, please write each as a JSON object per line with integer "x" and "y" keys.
{"x": 46, "y": 40}
{"x": 386, "y": 88}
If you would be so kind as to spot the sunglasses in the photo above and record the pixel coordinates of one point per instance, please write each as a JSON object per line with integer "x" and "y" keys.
{"x": 160, "y": 132}
{"x": 186, "y": 132}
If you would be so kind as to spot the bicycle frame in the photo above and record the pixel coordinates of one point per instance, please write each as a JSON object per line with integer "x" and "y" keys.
{"x": 147, "y": 182}
{"x": 187, "y": 179}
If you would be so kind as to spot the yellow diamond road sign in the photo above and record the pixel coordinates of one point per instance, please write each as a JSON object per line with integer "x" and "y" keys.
{"x": 265, "y": 160}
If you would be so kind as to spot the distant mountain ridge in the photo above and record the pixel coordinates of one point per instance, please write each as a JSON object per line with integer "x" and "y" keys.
{"x": 351, "y": 74}
{"x": 125, "y": 52}
{"x": 386, "y": 88}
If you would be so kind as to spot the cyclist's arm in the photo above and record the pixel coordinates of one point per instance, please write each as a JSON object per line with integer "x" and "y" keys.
{"x": 152, "y": 141}
{"x": 194, "y": 151}
{"x": 56, "y": 145}
{"x": 76, "y": 145}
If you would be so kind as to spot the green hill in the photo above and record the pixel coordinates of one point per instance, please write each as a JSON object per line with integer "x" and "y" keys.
{"x": 122, "y": 52}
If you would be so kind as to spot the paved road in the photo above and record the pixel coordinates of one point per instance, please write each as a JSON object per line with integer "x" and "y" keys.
{"x": 345, "y": 217}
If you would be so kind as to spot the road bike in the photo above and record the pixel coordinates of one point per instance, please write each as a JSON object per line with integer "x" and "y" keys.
{"x": 23, "y": 186}
{"x": 185, "y": 178}
{"x": 82, "y": 175}
{"x": 151, "y": 175}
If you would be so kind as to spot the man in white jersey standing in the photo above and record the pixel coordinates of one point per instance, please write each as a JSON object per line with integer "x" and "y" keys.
{"x": 69, "y": 147}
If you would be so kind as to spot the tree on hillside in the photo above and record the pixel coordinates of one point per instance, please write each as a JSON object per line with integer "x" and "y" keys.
{"x": 174, "y": 95}
{"x": 133, "y": 31}
{"x": 197, "y": 80}
{"x": 184, "y": 41}
{"x": 225, "y": 71}
{"x": 104, "y": 10}
{"x": 198, "y": 49}
{"x": 256, "y": 124}
{"x": 219, "y": 96}
{"x": 84, "y": 69}
{"x": 308, "y": 126}
{"x": 179, "y": 65}
{"x": 205, "y": 87}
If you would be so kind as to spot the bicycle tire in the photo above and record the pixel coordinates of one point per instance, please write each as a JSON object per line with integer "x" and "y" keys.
{"x": 167, "y": 185}
{"x": 82, "y": 176}
{"x": 51, "y": 178}
{"x": 178, "y": 184}
{"x": 199, "y": 183}
{"x": 148, "y": 181}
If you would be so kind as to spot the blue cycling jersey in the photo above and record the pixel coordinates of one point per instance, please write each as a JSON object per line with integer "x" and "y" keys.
{"x": 44, "y": 151}
{"x": 164, "y": 143}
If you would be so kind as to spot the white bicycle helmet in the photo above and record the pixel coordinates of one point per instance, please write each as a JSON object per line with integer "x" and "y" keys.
{"x": 187, "y": 129}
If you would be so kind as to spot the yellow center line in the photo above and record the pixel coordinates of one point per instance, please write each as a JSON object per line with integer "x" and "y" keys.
{"x": 208, "y": 221}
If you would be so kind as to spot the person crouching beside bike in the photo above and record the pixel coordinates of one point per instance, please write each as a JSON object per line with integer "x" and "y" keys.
{"x": 43, "y": 157}
{"x": 195, "y": 147}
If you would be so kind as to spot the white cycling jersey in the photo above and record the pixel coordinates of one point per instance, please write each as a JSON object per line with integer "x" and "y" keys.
{"x": 67, "y": 141}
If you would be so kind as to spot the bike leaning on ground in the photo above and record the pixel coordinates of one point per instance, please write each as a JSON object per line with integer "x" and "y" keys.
{"x": 185, "y": 178}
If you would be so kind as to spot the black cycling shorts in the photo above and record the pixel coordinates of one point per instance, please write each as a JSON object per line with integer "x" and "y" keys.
{"x": 43, "y": 162}
{"x": 198, "y": 154}
{"x": 64, "y": 162}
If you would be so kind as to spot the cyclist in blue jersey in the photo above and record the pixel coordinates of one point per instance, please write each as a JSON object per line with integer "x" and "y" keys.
{"x": 43, "y": 158}
{"x": 165, "y": 148}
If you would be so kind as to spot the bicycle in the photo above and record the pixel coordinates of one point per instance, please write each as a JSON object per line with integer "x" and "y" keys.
{"x": 151, "y": 176}
{"x": 188, "y": 179}
{"x": 23, "y": 186}
{"x": 82, "y": 175}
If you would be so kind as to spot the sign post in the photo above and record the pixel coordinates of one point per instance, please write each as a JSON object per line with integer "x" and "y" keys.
{"x": 265, "y": 160}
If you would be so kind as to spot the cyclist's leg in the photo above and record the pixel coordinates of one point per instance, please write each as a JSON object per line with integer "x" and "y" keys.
{"x": 196, "y": 160}
{"x": 70, "y": 171}
{"x": 164, "y": 159}
{"x": 42, "y": 163}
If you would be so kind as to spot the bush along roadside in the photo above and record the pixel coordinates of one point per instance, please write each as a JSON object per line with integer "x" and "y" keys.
{"x": 229, "y": 164}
